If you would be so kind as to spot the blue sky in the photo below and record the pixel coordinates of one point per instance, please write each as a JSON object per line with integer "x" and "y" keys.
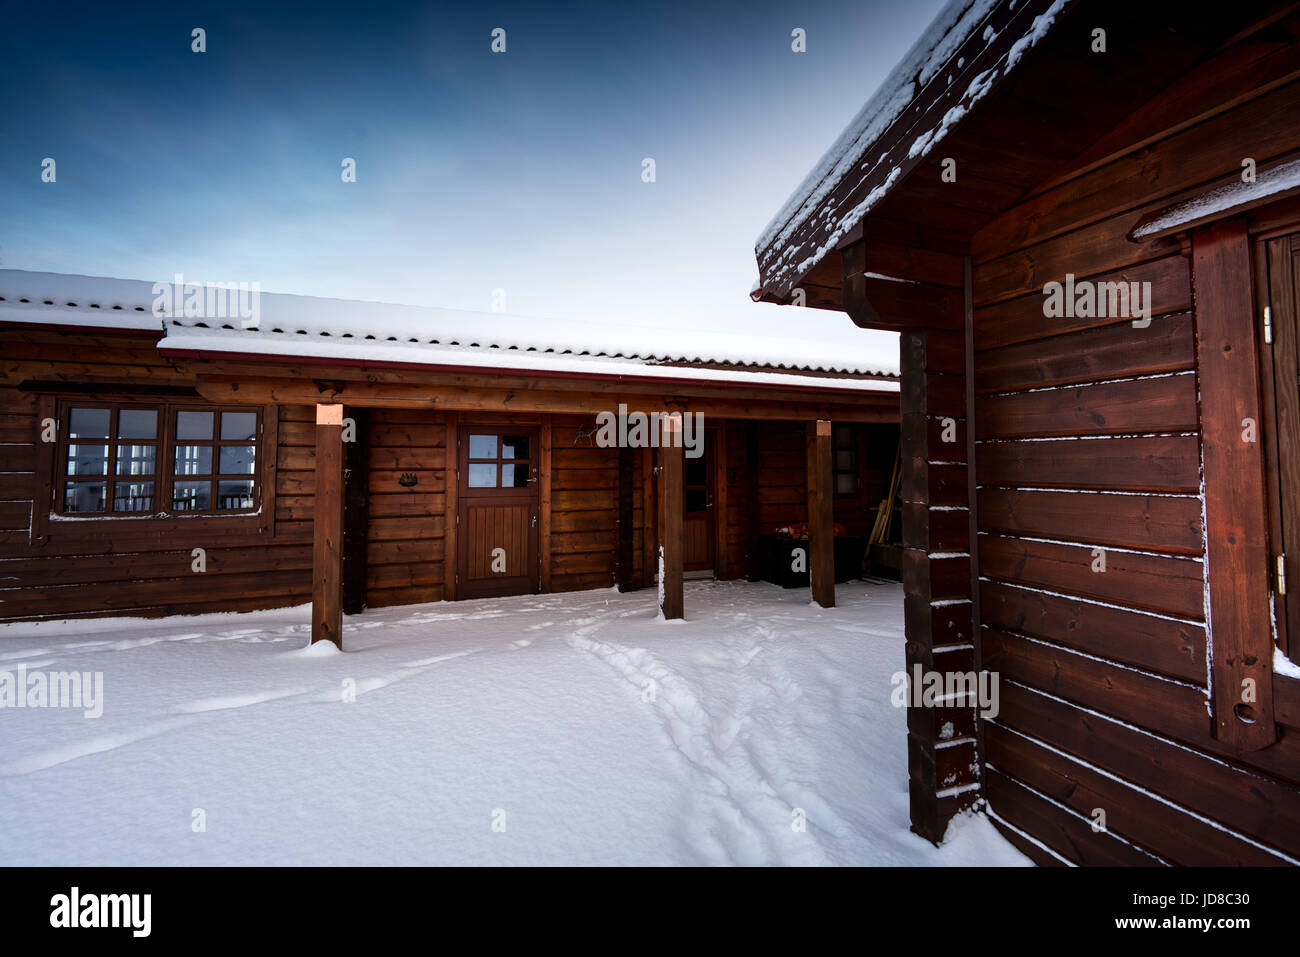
{"x": 475, "y": 171}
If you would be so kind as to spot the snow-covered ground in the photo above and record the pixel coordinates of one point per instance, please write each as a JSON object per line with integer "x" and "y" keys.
{"x": 556, "y": 729}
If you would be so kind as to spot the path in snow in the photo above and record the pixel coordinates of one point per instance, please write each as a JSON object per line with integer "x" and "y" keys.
{"x": 597, "y": 732}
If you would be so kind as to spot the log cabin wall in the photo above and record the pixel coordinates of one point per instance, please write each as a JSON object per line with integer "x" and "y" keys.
{"x": 1089, "y": 448}
{"x": 77, "y": 568}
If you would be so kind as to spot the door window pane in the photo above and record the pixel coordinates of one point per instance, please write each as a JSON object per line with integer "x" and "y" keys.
{"x": 88, "y": 423}
{"x": 482, "y": 446}
{"x": 514, "y": 476}
{"x": 482, "y": 475}
{"x": 238, "y": 426}
{"x": 84, "y": 497}
{"x": 135, "y": 459}
{"x": 697, "y": 500}
{"x": 193, "y": 460}
{"x": 194, "y": 425}
{"x": 137, "y": 424}
{"x": 514, "y": 446}
{"x": 236, "y": 460}
{"x": 191, "y": 496}
{"x": 235, "y": 494}
{"x": 846, "y": 483}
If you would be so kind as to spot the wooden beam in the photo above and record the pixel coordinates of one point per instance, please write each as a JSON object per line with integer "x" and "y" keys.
{"x": 327, "y": 528}
{"x": 451, "y": 509}
{"x": 858, "y": 406}
{"x": 821, "y": 518}
{"x": 626, "y": 532}
{"x": 671, "y": 480}
{"x": 545, "y": 444}
{"x": 356, "y": 509}
{"x": 721, "y": 570}
{"x": 1236, "y": 532}
{"x": 649, "y": 521}
{"x": 753, "y": 525}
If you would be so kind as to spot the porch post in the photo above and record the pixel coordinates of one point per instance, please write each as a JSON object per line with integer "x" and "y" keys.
{"x": 821, "y": 519}
{"x": 670, "y": 516}
{"x": 327, "y": 528}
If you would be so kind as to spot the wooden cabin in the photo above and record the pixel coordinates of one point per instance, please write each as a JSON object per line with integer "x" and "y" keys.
{"x": 1114, "y": 526}
{"x": 360, "y": 454}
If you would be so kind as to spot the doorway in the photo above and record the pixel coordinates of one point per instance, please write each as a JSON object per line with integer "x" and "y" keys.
{"x": 497, "y": 511}
{"x": 699, "y": 531}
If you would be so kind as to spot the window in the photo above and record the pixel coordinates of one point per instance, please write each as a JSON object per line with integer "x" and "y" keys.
{"x": 158, "y": 459}
{"x": 847, "y": 476}
{"x": 498, "y": 460}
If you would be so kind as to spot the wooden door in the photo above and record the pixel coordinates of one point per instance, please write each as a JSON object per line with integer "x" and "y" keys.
{"x": 1283, "y": 355}
{"x": 698, "y": 532}
{"x": 497, "y": 511}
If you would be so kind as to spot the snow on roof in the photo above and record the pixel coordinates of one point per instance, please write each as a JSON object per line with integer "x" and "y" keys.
{"x": 308, "y": 326}
{"x": 855, "y": 151}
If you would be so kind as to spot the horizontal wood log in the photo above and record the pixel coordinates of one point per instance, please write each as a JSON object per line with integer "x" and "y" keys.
{"x": 1163, "y": 584}
{"x": 1148, "y": 522}
{"x": 1159, "y": 404}
{"x": 1155, "y": 464}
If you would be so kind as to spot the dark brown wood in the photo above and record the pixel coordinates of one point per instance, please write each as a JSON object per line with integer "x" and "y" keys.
{"x": 626, "y": 530}
{"x": 821, "y": 537}
{"x": 670, "y": 519}
{"x": 327, "y": 549}
{"x": 718, "y": 461}
{"x": 451, "y": 511}
{"x": 1237, "y": 556}
{"x": 1282, "y": 428}
{"x": 356, "y": 511}
{"x": 752, "y": 510}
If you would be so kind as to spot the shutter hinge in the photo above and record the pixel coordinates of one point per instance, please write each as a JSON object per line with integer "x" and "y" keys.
{"x": 1268, "y": 325}
{"x": 1280, "y": 564}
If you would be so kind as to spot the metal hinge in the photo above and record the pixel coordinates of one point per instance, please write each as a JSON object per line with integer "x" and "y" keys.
{"x": 1280, "y": 563}
{"x": 1268, "y": 325}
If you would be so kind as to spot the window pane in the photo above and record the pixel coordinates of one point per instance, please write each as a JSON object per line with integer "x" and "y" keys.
{"x": 238, "y": 494}
{"x": 846, "y": 483}
{"x": 697, "y": 500}
{"x": 137, "y": 424}
{"x": 88, "y": 424}
{"x": 843, "y": 435}
{"x": 87, "y": 459}
{"x": 133, "y": 497}
{"x": 482, "y": 476}
{"x": 194, "y": 425}
{"x": 135, "y": 459}
{"x": 193, "y": 460}
{"x": 191, "y": 496}
{"x": 236, "y": 460}
{"x": 514, "y": 446}
{"x": 482, "y": 446}
{"x": 236, "y": 426}
{"x": 844, "y": 460}
{"x": 514, "y": 476}
{"x": 697, "y": 472}
{"x": 83, "y": 497}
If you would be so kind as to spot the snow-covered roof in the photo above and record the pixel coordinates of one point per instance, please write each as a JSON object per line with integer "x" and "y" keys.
{"x": 927, "y": 68}
{"x": 354, "y": 331}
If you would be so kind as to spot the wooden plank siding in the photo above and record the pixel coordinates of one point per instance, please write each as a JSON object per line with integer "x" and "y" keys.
{"x": 1089, "y": 450}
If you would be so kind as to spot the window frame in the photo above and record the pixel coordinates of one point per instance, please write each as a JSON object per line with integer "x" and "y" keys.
{"x": 165, "y": 443}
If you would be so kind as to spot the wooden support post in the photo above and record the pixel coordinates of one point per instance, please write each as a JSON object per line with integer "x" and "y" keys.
{"x": 546, "y": 443}
{"x": 753, "y": 526}
{"x": 451, "y": 508}
{"x": 1236, "y": 517}
{"x": 721, "y": 533}
{"x": 327, "y": 526}
{"x": 939, "y": 623}
{"x": 624, "y": 560}
{"x": 821, "y": 517}
{"x": 356, "y": 510}
{"x": 671, "y": 480}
